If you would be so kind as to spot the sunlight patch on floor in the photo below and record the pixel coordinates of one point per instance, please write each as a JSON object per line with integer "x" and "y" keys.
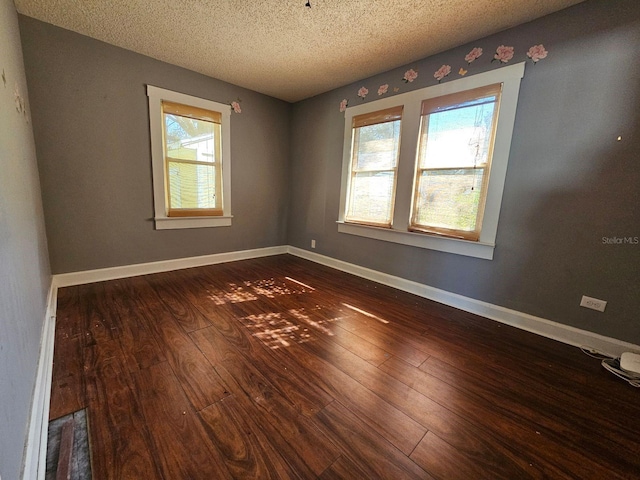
{"x": 236, "y": 294}
{"x": 269, "y": 288}
{"x": 300, "y": 283}
{"x": 246, "y": 292}
{"x": 277, "y": 330}
{"x": 303, "y": 317}
{"x": 364, "y": 312}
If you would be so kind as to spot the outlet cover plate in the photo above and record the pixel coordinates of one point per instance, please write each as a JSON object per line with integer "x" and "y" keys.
{"x": 593, "y": 303}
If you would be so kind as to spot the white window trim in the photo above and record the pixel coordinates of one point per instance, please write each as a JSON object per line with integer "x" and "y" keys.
{"x": 162, "y": 221}
{"x": 510, "y": 78}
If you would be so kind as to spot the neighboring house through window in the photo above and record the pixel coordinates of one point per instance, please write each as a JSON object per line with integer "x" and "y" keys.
{"x": 191, "y": 160}
{"x": 427, "y": 168}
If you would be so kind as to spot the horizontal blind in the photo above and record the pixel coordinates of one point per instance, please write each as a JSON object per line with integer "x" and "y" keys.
{"x": 381, "y": 116}
{"x": 460, "y": 99}
{"x": 191, "y": 112}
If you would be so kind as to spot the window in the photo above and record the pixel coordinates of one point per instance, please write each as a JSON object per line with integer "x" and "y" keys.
{"x": 190, "y": 157}
{"x": 437, "y": 182}
{"x": 376, "y": 144}
{"x": 457, "y": 133}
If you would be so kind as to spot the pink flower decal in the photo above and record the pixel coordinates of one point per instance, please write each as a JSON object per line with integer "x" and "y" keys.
{"x": 503, "y": 54}
{"x": 442, "y": 72}
{"x": 473, "y": 55}
{"x": 537, "y": 53}
{"x": 462, "y": 72}
{"x": 363, "y": 92}
{"x": 236, "y": 106}
{"x": 383, "y": 89}
{"x": 410, "y": 75}
{"x": 343, "y": 105}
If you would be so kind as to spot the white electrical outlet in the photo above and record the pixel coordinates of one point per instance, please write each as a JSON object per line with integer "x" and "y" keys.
{"x": 593, "y": 303}
{"x": 313, "y": 244}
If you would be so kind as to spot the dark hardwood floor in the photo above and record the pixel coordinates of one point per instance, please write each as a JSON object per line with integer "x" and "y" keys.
{"x": 282, "y": 368}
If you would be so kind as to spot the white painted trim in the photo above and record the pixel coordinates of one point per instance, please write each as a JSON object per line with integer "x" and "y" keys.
{"x": 35, "y": 458}
{"x": 421, "y": 240}
{"x": 162, "y": 221}
{"x": 171, "y": 223}
{"x": 540, "y": 326}
{"x": 90, "y": 276}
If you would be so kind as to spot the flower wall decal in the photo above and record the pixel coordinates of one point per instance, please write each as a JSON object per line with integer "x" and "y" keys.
{"x": 442, "y": 72}
{"x": 537, "y": 53}
{"x": 236, "y": 106}
{"x": 473, "y": 55}
{"x": 410, "y": 75}
{"x": 503, "y": 54}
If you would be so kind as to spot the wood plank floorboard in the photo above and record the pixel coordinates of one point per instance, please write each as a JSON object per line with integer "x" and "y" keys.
{"x": 279, "y": 368}
{"x": 246, "y": 448}
{"x": 180, "y": 445}
{"x": 196, "y": 375}
{"x": 68, "y": 380}
{"x": 269, "y": 402}
{"x": 140, "y": 348}
{"x": 118, "y": 435}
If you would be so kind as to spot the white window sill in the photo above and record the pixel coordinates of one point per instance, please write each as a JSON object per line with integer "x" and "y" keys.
{"x": 171, "y": 223}
{"x": 421, "y": 240}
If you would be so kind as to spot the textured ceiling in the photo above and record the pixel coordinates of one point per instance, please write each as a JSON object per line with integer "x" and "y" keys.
{"x": 282, "y": 48}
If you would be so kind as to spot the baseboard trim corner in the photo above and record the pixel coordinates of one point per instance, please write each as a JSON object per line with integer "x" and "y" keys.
{"x": 35, "y": 457}
{"x": 540, "y": 326}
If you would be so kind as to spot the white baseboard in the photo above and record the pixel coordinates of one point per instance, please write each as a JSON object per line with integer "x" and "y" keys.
{"x": 35, "y": 457}
{"x": 541, "y": 326}
{"x": 102, "y": 274}
{"x": 546, "y": 328}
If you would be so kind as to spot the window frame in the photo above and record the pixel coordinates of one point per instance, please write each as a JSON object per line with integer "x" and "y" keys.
{"x": 510, "y": 77}
{"x": 377, "y": 117}
{"x": 159, "y": 165}
{"x": 432, "y": 105}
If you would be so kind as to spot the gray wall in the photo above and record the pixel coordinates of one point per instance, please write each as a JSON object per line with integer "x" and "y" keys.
{"x": 569, "y": 182}
{"x": 91, "y": 124}
{"x": 24, "y": 266}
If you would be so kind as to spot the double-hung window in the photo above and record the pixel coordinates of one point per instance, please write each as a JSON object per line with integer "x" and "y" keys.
{"x": 190, "y": 156}
{"x": 193, "y": 154}
{"x": 457, "y": 133}
{"x": 437, "y": 182}
{"x": 376, "y": 144}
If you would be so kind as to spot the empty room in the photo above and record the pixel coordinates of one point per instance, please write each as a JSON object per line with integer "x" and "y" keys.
{"x": 319, "y": 240}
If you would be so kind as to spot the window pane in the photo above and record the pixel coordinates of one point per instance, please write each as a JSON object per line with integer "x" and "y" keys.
{"x": 190, "y": 139}
{"x": 376, "y": 146}
{"x": 459, "y": 137}
{"x": 192, "y": 186}
{"x": 449, "y": 198}
{"x": 371, "y": 197}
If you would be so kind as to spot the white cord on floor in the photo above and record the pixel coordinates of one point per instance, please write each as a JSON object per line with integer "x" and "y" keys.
{"x": 593, "y": 353}
{"x": 612, "y": 364}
